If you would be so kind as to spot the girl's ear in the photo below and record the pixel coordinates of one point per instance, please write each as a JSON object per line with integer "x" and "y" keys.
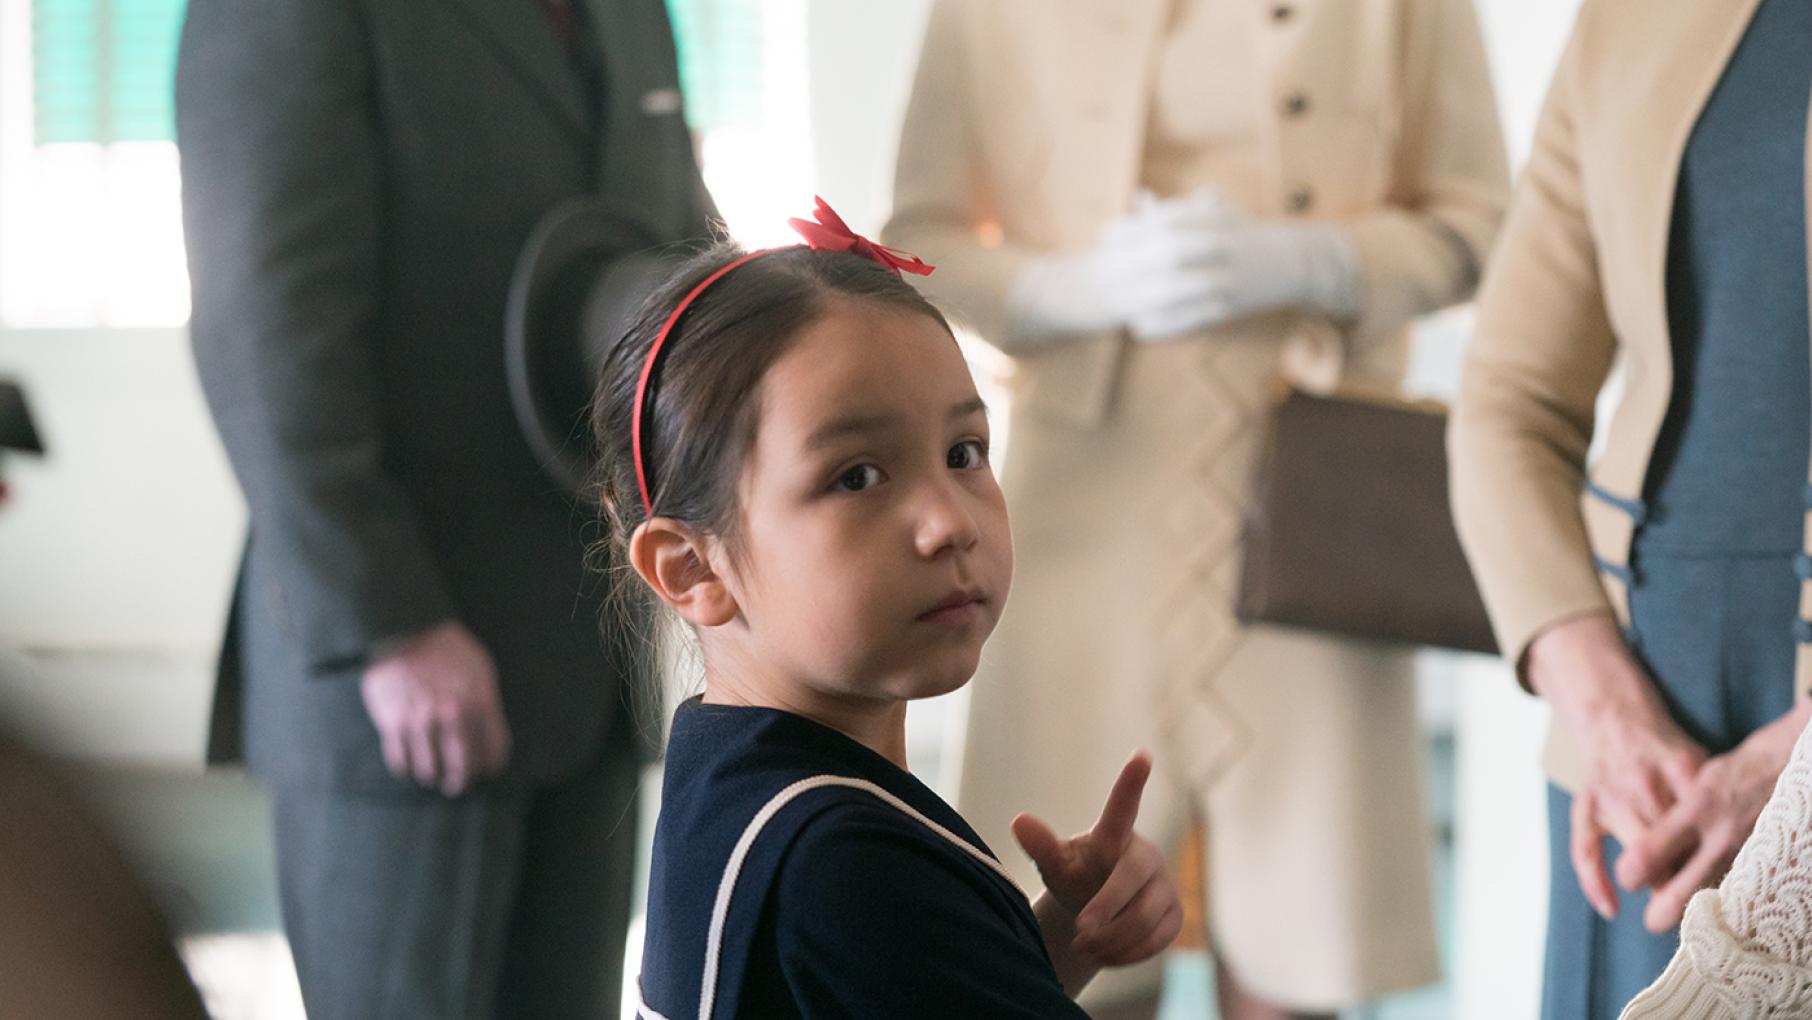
{"x": 673, "y": 559}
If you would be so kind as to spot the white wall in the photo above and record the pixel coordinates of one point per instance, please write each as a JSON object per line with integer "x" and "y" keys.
{"x": 117, "y": 548}
{"x": 127, "y": 528}
{"x": 862, "y": 60}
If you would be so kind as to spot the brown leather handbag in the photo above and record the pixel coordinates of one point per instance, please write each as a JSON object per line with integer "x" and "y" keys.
{"x": 1347, "y": 528}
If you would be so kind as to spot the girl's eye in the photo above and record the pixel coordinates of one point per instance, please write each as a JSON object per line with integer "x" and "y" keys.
{"x": 967, "y": 455}
{"x": 859, "y": 478}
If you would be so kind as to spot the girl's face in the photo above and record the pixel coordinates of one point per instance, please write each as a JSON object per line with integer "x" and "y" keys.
{"x": 873, "y": 555}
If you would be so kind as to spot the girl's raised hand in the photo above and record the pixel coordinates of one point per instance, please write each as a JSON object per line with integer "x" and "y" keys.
{"x": 1110, "y": 879}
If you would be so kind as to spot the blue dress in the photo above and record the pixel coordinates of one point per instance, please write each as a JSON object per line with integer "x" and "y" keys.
{"x": 1716, "y": 564}
{"x": 862, "y": 895}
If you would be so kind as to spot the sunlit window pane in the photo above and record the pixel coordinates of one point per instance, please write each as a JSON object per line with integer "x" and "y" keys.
{"x": 90, "y": 202}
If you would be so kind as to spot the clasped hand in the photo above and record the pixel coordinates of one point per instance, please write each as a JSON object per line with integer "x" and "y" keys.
{"x": 1702, "y": 823}
{"x": 1173, "y": 267}
{"x": 1679, "y": 814}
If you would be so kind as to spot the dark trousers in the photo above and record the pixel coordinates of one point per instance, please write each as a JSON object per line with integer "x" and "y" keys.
{"x": 1716, "y": 633}
{"x": 505, "y": 904}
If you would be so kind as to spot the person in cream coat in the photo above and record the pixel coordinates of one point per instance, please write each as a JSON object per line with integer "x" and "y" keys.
{"x": 1658, "y": 598}
{"x": 1162, "y": 210}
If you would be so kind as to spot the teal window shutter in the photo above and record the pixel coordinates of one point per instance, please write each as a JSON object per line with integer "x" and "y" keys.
{"x": 102, "y": 70}
{"x": 720, "y": 60}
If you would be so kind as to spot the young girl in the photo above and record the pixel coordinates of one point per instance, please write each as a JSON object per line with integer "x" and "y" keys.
{"x": 796, "y": 462}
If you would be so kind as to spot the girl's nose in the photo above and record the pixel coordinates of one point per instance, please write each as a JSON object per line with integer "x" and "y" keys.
{"x": 945, "y": 521}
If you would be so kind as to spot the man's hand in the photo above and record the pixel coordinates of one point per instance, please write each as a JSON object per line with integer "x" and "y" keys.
{"x": 436, "y": 707}
{"x": 1110, "y": 880}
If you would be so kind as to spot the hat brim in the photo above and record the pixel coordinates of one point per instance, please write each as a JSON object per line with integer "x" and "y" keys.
{"x": 580, "y": 277}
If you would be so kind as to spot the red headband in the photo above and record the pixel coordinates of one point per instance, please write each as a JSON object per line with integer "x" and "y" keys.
{"x": 828, "y": 233}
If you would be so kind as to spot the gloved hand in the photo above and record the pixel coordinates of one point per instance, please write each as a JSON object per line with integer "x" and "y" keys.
{"x": 1175, "y": 266}
{"x": 1129, "y": 272}
{"x": 1215, "y": 264}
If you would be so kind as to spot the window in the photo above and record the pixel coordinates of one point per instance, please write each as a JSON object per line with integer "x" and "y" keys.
{"x": 90, "y": 197}
{"x": 743, "y": 69}
{"x": 90, "y": 214}
{"x": 101, "y": 70}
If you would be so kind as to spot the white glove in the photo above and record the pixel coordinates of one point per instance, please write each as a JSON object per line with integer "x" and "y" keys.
{"x": 1219, "y": 264}
{"x": 1128, "y": 273}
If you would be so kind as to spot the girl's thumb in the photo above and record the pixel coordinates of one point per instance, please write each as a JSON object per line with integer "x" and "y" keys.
{"x": 1037, "y": 840}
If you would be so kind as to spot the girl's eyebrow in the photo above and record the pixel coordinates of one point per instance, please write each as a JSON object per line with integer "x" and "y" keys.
{"x": 974, "y": 405}
{"x": 852, "y": 425}
{"x": 868, "y": 424}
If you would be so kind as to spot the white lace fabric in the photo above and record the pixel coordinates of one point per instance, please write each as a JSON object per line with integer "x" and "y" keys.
{"x": 1746, "y": 946}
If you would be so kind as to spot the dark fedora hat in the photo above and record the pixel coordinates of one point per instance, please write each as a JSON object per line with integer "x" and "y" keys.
{"x": 584, "y": 271}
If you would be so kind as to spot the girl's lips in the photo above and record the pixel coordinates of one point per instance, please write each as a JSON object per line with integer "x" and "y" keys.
{"x": 958, "y": 607}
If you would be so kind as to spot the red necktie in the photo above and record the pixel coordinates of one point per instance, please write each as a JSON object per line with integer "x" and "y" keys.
{"x": 560, "y": 15}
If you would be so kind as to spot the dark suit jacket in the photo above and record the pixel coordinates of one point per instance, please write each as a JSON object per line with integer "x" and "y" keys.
{"x": 358, "y": 179}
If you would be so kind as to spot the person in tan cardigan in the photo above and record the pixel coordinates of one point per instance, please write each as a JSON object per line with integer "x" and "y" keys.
{"x": 1162, "y": 211}
{"x": 1657, "y": 597}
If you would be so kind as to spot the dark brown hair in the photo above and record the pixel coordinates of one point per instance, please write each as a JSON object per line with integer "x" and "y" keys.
{"x": 701, "y": 425}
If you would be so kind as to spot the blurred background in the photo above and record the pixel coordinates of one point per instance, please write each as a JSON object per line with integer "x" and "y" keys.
{"x": 118, "y": 547}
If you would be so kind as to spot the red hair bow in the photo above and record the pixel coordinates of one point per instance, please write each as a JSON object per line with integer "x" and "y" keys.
{"x": 830, "y": 233}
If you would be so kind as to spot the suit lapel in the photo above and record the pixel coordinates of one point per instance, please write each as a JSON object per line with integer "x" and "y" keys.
{"x": 605, "y": 22}
{"x": 527, "y": 44}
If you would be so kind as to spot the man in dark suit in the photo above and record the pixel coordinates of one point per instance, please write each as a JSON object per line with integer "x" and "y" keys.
{"x": 425, "y": 686}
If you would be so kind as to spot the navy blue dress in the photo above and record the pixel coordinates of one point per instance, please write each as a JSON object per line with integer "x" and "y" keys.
{"x": 1715, "y": 565}
{"x": 847, "y": 904}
